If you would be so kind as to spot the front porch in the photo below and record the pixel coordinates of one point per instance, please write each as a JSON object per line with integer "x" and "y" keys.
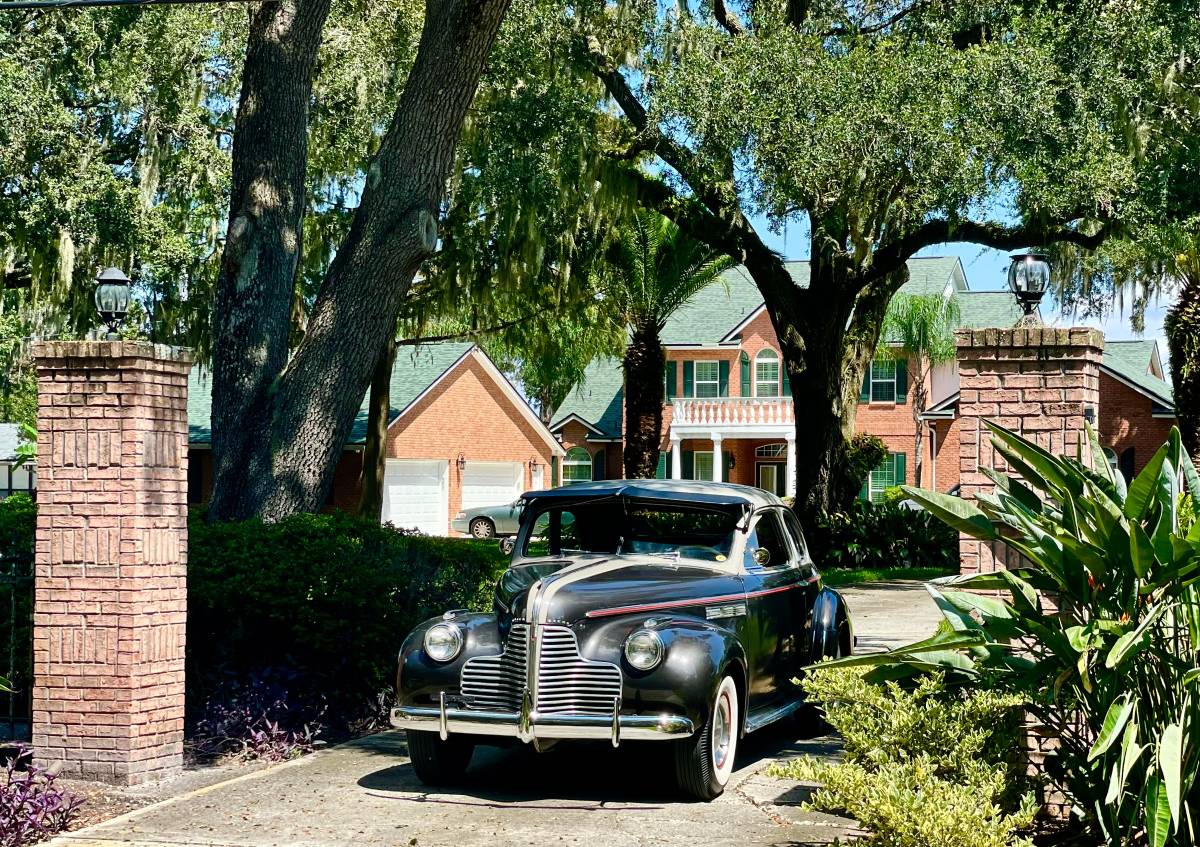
{"x": 746, "y": 440}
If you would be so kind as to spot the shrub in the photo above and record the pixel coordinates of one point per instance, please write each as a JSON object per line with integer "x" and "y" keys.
{"x": 329, "y": 597}
{"x": 257, "y": 720}
{"x": 1112, "y": 666}
{"x": 882, "y": 535}
{"x": 923, "y": 764}
{"x": 18, "y": 520}
{"x": 32, "y": 807}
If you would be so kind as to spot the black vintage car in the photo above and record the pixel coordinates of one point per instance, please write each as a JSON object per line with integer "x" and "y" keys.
{"x": 644, "y": 610}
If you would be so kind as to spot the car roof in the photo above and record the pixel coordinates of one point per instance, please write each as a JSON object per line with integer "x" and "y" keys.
{"x": 696, "y": 491}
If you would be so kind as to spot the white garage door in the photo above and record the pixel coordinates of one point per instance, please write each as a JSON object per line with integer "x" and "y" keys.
{"x": 491, "y": 483}
{"x": 415, "y": 495}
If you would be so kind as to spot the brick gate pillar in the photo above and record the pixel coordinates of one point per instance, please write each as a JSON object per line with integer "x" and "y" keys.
{"x": 110, "y": 596}
{"x": 1041, "y": 382}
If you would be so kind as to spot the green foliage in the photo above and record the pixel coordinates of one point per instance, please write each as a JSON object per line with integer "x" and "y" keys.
{"x": 860, "y": 576}
{"x": 329, "y": 597}
{"x": 923, "y": 324}
{"x": 863, "y": 454}
{"x": 923, "y": 765}
{"x": 18, "y": 520}
{"x": 883, "y": 535}
{"x": 1112, "y": 670}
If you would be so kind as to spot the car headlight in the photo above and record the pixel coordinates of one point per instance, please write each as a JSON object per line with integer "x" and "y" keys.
{"x": 643, "y": 649}
{"x": 443, "y": 641}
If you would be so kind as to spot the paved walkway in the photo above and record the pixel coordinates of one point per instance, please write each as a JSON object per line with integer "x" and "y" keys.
{"x": 364, "y": 792}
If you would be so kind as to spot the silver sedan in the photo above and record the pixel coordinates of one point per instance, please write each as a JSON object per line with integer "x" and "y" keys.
{"x": 489, "y": 521}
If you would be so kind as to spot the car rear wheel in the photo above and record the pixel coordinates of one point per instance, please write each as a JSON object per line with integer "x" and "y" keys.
{"x": 439, "y": 762}
{"x": 704, "y": 762}
{"x": 482, "y": 528}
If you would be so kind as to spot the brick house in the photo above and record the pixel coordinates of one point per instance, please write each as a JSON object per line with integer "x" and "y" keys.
{"x": 459, "y": 436}
{"x": 729, "y": 412}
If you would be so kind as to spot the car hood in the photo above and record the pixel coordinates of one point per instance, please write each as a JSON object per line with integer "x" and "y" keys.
{"x": 572, "y": 590}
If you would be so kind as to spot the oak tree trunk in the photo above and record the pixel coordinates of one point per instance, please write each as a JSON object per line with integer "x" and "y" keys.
{"x": 311, "y": 405}
{"x": 643, "y": 365}
{"x": 256, "y": 281}
{"x": 379, "y": 406}
{"x": 1183, "y": 340}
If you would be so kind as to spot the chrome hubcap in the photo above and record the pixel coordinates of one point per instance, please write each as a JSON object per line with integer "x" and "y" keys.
{"x": 722, "y": 731}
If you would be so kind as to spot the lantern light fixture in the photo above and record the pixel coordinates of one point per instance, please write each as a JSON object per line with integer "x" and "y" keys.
{"x": 112, "y": 299}
{"x": 1029, "y": 277}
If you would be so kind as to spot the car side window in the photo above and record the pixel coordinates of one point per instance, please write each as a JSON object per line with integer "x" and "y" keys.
{"x": 793, "y": 524}
{"x": 767, "y": 534}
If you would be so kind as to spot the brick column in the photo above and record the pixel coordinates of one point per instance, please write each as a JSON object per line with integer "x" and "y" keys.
{"x": 110, "y": 600}
{"x": 1039, "y": 382}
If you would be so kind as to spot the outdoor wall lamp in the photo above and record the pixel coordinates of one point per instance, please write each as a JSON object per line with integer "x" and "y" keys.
{"x": 1029, "y": 277}
{"x": 533, "y": 465}
{"x": 461, "y": 461}
{"x": 112, "y": 299}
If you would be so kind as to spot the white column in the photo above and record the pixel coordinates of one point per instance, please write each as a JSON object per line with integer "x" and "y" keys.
{"x": 718, "y": 458}
{"x": 789, "y": 484}
{"x": 676, "y": 458}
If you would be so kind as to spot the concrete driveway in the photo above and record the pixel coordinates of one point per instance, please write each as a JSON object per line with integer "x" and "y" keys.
{"x": 364, "y": 792}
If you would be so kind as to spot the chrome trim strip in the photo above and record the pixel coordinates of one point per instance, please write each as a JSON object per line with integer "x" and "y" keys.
{"x": 755, "y": 722}
{"x": 507, "y": 724}
{"x": 443, "y": 726}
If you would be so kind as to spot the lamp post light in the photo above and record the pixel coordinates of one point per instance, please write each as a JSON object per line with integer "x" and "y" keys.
{"x": 1029, "y": 277}
{"x": 112, "y": 299}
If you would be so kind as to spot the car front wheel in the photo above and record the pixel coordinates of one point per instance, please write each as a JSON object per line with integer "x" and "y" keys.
{"x": 704, "y": 762}
{"x": 438, "y": 762}
{"x": 482, "y": 528}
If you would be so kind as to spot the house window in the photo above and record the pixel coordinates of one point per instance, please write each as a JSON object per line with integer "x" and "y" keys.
{"x": 702, "y": 467}
{"x": 577, "y": 466}
{"x": 771, "y": 451}
{"x": 708, "y": 379}
{"x": 883, "y": 381}
{"x": 888, "y": 475}
{"x": 766, "y": 374}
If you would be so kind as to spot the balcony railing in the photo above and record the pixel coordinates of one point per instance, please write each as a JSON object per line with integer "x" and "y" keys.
{"x": 732, "y": 411}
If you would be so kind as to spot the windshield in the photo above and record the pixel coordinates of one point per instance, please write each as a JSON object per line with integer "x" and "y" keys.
{"x": 616, "y": 525}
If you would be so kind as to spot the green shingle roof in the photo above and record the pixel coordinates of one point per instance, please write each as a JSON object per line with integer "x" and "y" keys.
{"x": 415, "y": 370}
{"x": 598, "y": 398}
{"x": 983, "y": 309}
{"x": 1132, "y": 360}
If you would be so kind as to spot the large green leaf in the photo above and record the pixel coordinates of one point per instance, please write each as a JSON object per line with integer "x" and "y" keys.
{"x": 1146, "y": 486}
{"x": 1132, "y": 642}
{"x": 955, "y": 512}
{"x": 1114, "y": 724}
{"x": 1131, "y": 751}
{"x": 1141, "y": 550}
{"x": 938, "y": 646}
{"x": 1158, "y": 813}
{"x": 1051, "y": 468}
{"x": 1191, "y": 478}
{"x": 1170, "y": 762}
{"x": 1020, "y": 492}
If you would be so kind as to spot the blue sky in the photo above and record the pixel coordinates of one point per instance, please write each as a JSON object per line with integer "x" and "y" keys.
{"x": 986, "y": 269}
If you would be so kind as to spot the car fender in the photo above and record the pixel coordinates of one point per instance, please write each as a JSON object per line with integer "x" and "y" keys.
{"x": 831, "y": 627}
{"x": 420, "y": 678}
{"x": 697, "y": 654}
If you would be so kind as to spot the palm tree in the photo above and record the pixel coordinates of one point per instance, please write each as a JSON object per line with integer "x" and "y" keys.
{"x": 653, "y": 269}
{"x": 923, "y": 325}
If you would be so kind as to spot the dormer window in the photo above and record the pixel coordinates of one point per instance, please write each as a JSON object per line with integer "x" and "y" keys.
{"x": 766, "y": 373}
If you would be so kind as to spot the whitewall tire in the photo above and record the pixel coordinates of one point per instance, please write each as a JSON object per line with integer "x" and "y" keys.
{"x": 704, "y": 762}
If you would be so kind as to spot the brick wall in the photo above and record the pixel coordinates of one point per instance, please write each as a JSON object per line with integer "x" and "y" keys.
{"x": 110, "y": 600}
{"x": 1038, "y": 383}
{"x": 1128, "y": 422}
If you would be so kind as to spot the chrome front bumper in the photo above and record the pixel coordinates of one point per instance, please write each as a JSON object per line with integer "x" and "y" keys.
{"x": 528, "y": 725}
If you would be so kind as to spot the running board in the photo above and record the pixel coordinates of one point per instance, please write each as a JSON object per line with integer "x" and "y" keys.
{"x": 770, "y": 716}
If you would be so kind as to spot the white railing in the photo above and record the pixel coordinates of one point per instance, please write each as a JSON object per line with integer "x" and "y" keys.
{"x": 732, "y": 411}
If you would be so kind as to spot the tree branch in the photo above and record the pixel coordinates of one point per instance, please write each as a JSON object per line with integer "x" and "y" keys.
{"x": 472, "y": 333}
{"x": 727, "y": 18}
{"x": 891, "y": 256}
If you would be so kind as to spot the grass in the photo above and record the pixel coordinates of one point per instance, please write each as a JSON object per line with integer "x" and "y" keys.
{"x": 858, "y": 576}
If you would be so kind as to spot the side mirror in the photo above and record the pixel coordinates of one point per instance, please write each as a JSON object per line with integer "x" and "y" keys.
{"x": 507, "y": 545}
{"x": 762, "y": 556}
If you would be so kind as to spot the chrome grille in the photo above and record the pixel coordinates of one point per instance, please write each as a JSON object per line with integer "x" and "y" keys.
{"x": 497, "y": 682}
{"x": 567, "y": 683}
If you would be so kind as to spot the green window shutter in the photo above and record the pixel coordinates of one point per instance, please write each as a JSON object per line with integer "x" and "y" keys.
{"x": 669, "y": 370}
{"x": 864, "y": 394}
{"x": 899, "y": 471}
{"x": 744, "y": 364}
{"x": 689, "y": 464}
{"x": 865, "y": 493}
{"x": 689, "y": 379}
{"x": 661, "y": 471}
{"x": 554, "y": 471}
{"x": 598, "y": 464}
{"x": 787, "y": 383}
{"x": 723, "y": 378}
{"x": 902, "y": 381}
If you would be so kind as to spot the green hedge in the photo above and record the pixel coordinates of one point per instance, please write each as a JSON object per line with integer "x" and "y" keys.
{"x": 326, "y": 597}
{"x": 18, "y": 519}
{"x": 883, "y": 535}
